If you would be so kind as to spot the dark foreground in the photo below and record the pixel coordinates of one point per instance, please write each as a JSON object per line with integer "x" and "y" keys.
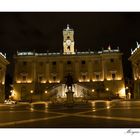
{"x": 103, "y": 114}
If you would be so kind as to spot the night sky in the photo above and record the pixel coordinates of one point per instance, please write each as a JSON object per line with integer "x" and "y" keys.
{"x": 94, "y": 31}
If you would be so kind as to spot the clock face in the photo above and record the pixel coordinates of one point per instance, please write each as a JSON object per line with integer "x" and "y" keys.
{"x": 68, "y": 42}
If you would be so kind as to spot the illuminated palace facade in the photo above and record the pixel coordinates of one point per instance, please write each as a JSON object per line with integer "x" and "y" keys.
{"x": 40, "y": 74}
{"x": 135, "y": 61}
{"x": 3, "y": 64}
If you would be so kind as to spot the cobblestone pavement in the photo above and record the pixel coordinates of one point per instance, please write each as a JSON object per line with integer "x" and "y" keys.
{"x": 103, "y": 114}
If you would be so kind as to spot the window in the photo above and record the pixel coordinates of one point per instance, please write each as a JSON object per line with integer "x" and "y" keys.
{"x": 68, "y": 48}
{"x": 97, "y": 76}
{"x": 83, "y": 62}
{"x": 40, "y": 78}
{"x": 24, "y": 78}
{"x": 83, "y": 77}
{"x": 24, "y": 63}
{"x": 54, "y": 78}
{"x": 54, "y": 63}
{"x": 41, "y": 63}
{"x": 113, "y": 75}
{"x": 111, "y": 60}
{"x": 68, "y": 62}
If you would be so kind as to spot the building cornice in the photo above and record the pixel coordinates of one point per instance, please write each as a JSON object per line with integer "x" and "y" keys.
{"x": 3, "y": 59}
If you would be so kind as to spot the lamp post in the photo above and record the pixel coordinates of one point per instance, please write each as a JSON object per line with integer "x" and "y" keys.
{"x": 31, "y": 92}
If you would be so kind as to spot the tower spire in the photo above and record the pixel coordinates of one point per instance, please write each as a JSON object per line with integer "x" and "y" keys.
{"x": 109, "y": 47}
{"x": 68, "y": 27}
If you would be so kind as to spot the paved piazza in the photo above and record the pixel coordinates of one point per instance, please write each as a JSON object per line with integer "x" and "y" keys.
{"x": 103, "y": 114}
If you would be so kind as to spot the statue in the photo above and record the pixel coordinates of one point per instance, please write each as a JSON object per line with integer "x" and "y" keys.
{"x": 69, "y": 82}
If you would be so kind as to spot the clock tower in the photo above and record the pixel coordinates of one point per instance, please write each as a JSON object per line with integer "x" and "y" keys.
{"x": 68, "y": 41}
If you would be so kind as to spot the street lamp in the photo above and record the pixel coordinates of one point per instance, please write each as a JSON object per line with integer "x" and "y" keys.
{"x": 31, "y": 91}
{"x": 107, "y": 89}
{"x": 93, "y": 90}
{"x": 126, "y": 88}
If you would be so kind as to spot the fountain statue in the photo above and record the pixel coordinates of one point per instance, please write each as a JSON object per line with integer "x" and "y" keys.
{"x": 69, "y": 85}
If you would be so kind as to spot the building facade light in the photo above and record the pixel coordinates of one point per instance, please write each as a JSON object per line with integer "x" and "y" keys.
{"x": 89, "y": 68}
{"x": 108, "y": 79}
{"x": 43, "y": 81}
{"x": 13, "y": 94}
{"x": 119, "y": 78}
{"x": 58, "y": 81}
{"x": 29, "y": 81}
{"x": 18, "y": 82}
{"x": 2, "y": 83}
{"x": 122, "y": 92}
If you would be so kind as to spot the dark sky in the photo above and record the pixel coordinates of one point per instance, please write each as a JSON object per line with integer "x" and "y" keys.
{"x": 43, "y": 31}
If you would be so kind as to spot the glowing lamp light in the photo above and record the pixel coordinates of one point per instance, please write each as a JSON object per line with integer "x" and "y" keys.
{"x": 46, "y": 91}
{"x": 50, "y": 81}
{"x": 108, "y": 79}
{"x": 93, "y": 80}
{"x": 88, "y": 80}
{"x": 109, "y": 48}
{"x": 122, "y": 92}
{"x": 80, "y": 80}
{"x": 126, "y": 88}
{"x": 58, "y": 81}
{"x": 93, "y": 90}
{"x": 31, "y": 91}
{"x": 43, "y": 81}
{"x": 108, "y": 107}
{"x": 13, "y": 94}
{"x": 2, "y": 83}
{"x": 29, "y": 81}
{"x": 18, "y": 82}
{"x": 107, "y": 89}
{"x": 119, "y": 78}
{"x": 135, "y": 78}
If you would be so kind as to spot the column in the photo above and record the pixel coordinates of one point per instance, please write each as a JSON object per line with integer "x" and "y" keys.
{"x": 60, "y": 71}
{"x": 77, "y": 72}
{"x": 103, "y": 71}
{"x": 47, "y": 71}
{"x": 33, "y": 70}
{"x": 90, "y": 69}
{"x": 104, "y": 67}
